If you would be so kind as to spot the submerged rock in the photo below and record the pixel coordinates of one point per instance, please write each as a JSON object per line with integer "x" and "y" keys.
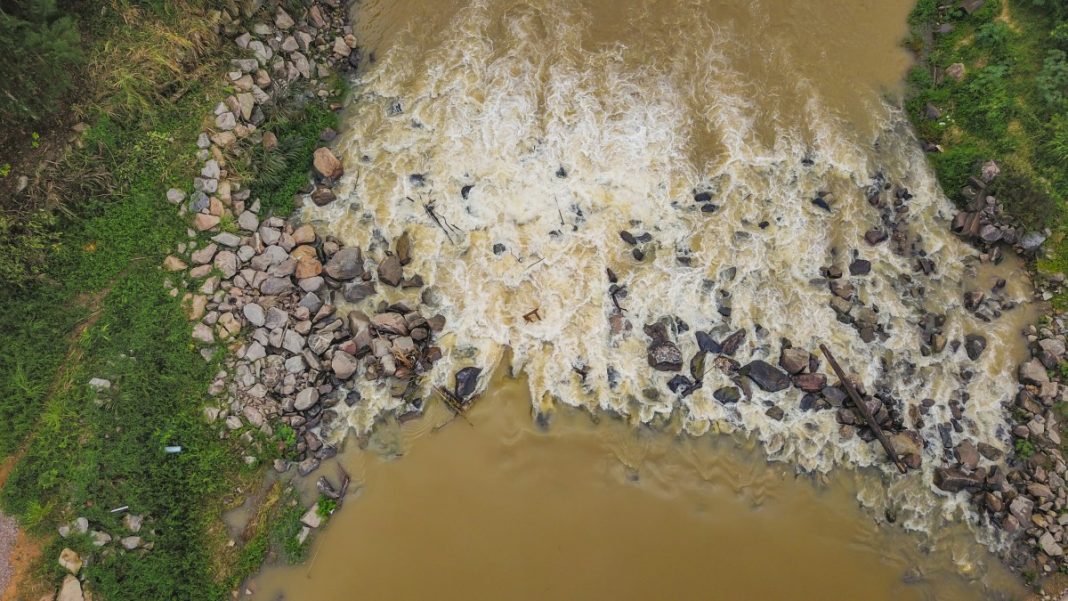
{"x": 727, "y": 395}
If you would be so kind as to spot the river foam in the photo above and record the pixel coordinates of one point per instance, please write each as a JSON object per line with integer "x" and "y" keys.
{"x": 536, "y": 131}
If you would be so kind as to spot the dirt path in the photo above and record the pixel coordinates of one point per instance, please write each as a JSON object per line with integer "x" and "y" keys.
{"x": 18, "y": 550}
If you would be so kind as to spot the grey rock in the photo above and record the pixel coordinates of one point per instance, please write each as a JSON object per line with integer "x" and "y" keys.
{"x": 100, "y": 384}
{"x": 227, "y": 239}
{"x": 1049, "y": 545}
{"x": 204, "y": 255}
{"x": 254, "y": 314}
{"x": 346, "y": 264}
{"x": 276, "y": 318}
{"x": 133, "y": 522}
{"x": 226, "y": 262}
{"x": 248, "y": 221}
{"x": 306, "y": 399}
{"x": 768, "y": 377}
{"x": 1033, "y": 372}
{"x": 131, "y": 542}
{"x": 1031, "y": 241}
{"x": 226, "y": 121}
{"x": 175, "y": 196}
{"x": 276, "y": 285}
{"x": 344, "y": 365}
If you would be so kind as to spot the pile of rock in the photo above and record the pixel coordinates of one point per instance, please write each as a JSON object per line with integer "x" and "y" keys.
{"x": 260, "y": 286}
{"x": 273, "y": 292}
{"x": 130, "y": 541}
{"x": 986, "y": 224}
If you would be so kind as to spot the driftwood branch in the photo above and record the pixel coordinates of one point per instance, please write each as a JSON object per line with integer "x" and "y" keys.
{"x": 863, "y": 409}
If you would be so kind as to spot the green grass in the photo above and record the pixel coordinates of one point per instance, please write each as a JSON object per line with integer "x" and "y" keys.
{"x": 97, "y": 265}
{"x": 1005, "y": 108}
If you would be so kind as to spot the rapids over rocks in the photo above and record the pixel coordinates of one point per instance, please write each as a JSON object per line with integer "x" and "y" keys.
{"x": 570, "y": 173}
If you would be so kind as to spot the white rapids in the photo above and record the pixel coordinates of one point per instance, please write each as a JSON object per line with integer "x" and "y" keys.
{"x": 502, "y": 98}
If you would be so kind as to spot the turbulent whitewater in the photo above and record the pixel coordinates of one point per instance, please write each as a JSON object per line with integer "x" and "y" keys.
{"x": 514, "y": 140}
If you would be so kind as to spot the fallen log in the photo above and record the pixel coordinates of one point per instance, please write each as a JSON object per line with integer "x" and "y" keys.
{"x": 862, "y": 408}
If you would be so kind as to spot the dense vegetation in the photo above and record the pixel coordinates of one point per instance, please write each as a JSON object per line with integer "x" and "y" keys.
{"x": 1011, "y": 104}
{"x": 82, "y": 294}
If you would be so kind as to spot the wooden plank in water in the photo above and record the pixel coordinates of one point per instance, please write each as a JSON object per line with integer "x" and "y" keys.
{"x": 863, "y": 409}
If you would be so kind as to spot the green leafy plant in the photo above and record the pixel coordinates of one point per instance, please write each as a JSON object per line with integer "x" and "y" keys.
{"x": 325, "y": 507}
{"x": 1025, "y": 449}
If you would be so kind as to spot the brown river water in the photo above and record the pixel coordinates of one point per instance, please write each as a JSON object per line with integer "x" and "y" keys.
{"x": 537, "y": 130}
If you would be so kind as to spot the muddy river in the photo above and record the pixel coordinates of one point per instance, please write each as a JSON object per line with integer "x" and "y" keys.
{"x": 738, "y": 143}
{"x": 595, "y": 509}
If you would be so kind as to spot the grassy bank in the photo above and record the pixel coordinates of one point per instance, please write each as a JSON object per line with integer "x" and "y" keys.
{"x": 1009, "y": 103}
{"x": 84, "y": 297}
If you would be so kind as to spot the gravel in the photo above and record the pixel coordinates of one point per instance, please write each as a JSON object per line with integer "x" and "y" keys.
{"x": 8, "y": 534}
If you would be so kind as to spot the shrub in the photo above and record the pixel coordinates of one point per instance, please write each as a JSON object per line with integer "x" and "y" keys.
{"x": 46, "y": 45}
{"x": 1025, "y": 198}
{"x": 1052, "y": 81}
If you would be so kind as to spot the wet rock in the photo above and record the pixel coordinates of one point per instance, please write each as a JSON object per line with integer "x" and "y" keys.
{"x": 706, "y": 343}
{"x": 679, "y": 383}
{"x": 768, "y": 377}
{"x": 775, "y": 413}
{"x": 665, "y": 356}
{"x": 356, "y": 292}
{"x": 794, "y": 360}
{"x": 810, "y": 382}
{"x": 390, "y": 323}
{"x": 951, "y": 479}
{"x": 860, "y": 267}
{"x": 466, "y": 382}
{"x": 842, "y": 289}
{"x": 968, "y": 455}
{"x": 404, "y": 249}
{"x": 974, "y": 345}
{"x": 874, "y": 236}
{"x": 346, "y": 264}
{"x": 389, "y": 271}
{"x": 727, "y": 395}
{"x": 731, "y": 343}
{"x": 326, "y": 164}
